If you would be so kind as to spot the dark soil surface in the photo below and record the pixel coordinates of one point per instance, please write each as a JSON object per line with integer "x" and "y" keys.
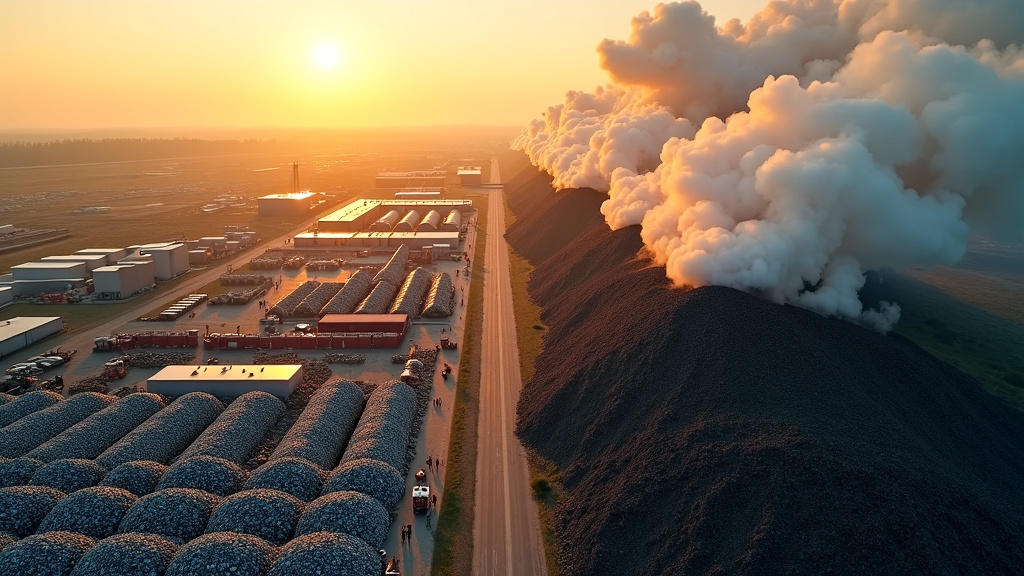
{"x": 709, "y": 431}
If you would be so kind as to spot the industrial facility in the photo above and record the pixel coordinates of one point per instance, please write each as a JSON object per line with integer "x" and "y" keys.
{"x": 371, "y": 223}
{"x": 393, "y": 180}
{"x": 281, "y": 205}
{"x": 470, "y": 175}
{"x": 22, "y": 331}
{"x": 227, "y": 381}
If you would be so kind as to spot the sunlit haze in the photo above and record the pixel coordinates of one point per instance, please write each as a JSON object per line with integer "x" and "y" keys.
{"x": 119, "y": 63}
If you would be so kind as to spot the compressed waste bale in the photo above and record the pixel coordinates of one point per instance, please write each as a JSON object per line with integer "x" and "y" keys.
{"x": 239, "y": 430}
{"x": 346, "y": 512}
{"x": 139, "y": 477}
{"x": 223, "y": 554}
{"x": 325, "y": 425}
{"x": 18, "y": 471}
{"x": 26, "y": 404}
{"x": 311, "y": 305}
{"x": 286, "y": 307}
{"x": 69, "y": 474}
{"x": 356, "y": 289}
{"x": 22, "y": 508}
{"x": 371, "y": 477}
{"x": 410, "y": 296}
{"x": 49, "y": 554}
{"x": 165, "y": 434}
{"x": 95, "y": 512}
{"x": 6, "y": 540}
{"x": 178, "y": 514}
{"x": 440, "y": 298}
{"x": 326, "y": 553}
{"x": 378, "y": 300}
{"x": 296, "y": 476}
{"x": 383, "y": 430}
{"x": 90, "y": 437}
{"x": 5, "y": 398}
{"x": 268, "y": 514}
{"x": 32, "y": 430}
{"x": 215, "y": 475}
{"x": 394, "y": 271}
{"x": 127, "y": 555}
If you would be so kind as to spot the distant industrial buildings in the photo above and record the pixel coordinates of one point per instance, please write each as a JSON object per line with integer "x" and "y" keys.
{"x": 281, "y": 205}
{"x": 470, "y": 175}
{"x": 371, "y": 223}
{"x": 412, "y": 179}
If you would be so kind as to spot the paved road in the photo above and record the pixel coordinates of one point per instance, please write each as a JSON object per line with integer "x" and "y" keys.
{"x": 506, "y": 538}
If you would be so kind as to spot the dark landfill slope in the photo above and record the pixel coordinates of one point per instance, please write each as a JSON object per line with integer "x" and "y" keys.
{"x": 709, "y": 431}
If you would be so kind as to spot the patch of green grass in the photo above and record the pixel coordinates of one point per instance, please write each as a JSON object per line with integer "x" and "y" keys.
{"x": 546, "y": 483}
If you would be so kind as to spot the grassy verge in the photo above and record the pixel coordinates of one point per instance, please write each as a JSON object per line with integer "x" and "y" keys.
{"x": 546, "y": 486}
{"x": 453, "y": 541}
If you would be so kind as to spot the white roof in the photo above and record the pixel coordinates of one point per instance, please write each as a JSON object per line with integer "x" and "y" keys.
{"x": 50, "y": 265}
{"x": 22, "y": 324}
{"x": 227, "y": 373}
{"x": 289, "y": 196}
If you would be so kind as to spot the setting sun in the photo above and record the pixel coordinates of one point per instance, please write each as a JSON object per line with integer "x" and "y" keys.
{"x": 326, "y": 56}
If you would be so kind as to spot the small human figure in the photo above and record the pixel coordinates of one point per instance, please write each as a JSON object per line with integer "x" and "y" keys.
{"x": 433, "y": 500}
{"x": 430, "y": 463}
{"x": 403, "y": 534}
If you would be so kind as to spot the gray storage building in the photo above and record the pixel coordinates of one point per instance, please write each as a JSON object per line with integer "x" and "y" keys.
{"x": 23, "y": 331}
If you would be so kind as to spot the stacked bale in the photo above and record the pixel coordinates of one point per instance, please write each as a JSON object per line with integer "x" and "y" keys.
{"x": 18, "y": 471}
{"x": 32, "y": 430}
{"x": 139, "y": 477}
{"x": 214, "y": 475}
{"x": 6, "y": 540}
{"x": 268, "y": 514}
{"x": 165, "y": 434}
{"x": 178, "y": 514}
{"x": 452, "y": 222}
{"x": 356, "y": 289}
{"x": 384, "y": 428}
{"x": 386, "y": 222}
{"x": 346, "y": 512}
{"x": 223, "y": 554}
{"x": 26, "y": 404}
{"x": 22, "y": 508}
{"x": 90, "y": 437}
{"x": 324, "y": 427}
{"x": 239, "y": 430}
{"x": 326, "y": 553}
{"x": 430, "y": 222}
{"x": 296, "y": 476}
{"x": 69, "y": 474}
{"x": 394, "y": 270}
{"x": 311, "y": 305}
{"x": 371, "y": 477}
{"x": 408, "y": 222}
{"x": 95, "y": 512}
{"x": 410, "y": 296}
{"x": 127, "y": 555}
{"x": 286, "y": 307}
{"x": 441, "y": 297}
{"x": 52, "y": 554}
{"x": 378, "y": 300}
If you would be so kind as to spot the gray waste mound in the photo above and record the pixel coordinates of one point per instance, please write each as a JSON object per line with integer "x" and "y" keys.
{"x": 326, "y": 553}
{"x": 165, "y": 434}
{"x": 69, "y": 474}
{"x": 22, "y": 508}
{"x": 50, "y": 554}
{"x": 394, "y": 271}
{"x": 90, "y": 437}
{"x": 371, "y": 477}
{"x": 311, "y": 305}
{"x": 378, "y": 300}
{"x": 296, "y": 476}
{"x": 286, "y": 307}
{"x": 18, "y": 471}
{"x": 94, "y": 512}
{"x": 441, "y": 297}
{"x": 325, "y": 425}
{"x": 26, "y": 404}
{"x": 223, "y": 554}
{"x": 179, "y": 514}
{"x": 6, "y": 540}
{"x": 356, "y": 289}
{"x": 214, "y": 475}
{"x": 346, "y": 512}
{"x": 5, "y": 398}
{"x": 268, "y": 514}
{"x": 127, "y": 555}
{"x": 139, "y": 477}
{"x": 384, "y": 428}
{"x": 239, "y": 430}
{"x": 410, "y": 296}
{"x": 32, "y": 430}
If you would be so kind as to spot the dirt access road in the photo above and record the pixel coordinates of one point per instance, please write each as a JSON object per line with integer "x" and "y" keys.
{"x": 506, "y": 533}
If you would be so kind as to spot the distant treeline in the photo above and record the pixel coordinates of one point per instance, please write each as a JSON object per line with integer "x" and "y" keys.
{"x": 14, "y": 154}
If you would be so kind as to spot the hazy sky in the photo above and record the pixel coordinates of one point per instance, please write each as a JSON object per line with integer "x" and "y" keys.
{"x": 149, "y": 63}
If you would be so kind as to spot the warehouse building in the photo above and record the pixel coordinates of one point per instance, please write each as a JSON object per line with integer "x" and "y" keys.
{"x": 23, "y": 331}
{"x": 353, "y": 217}
{"x": 422, "y": 193}
{"x": 410, "y": 179}
{"x": 470, "y": 175}
{"x": 169, "y": 261}
{"x": 282, "y": 205}
{"x": 409, "y": 222}
{"x": 227, "y": 381}
{"x": 91, "y": 261}
{"x": 121, "y": 281}
{"x": 386, "y": 223}
{"x": 112, "y": 254}
{"x": 6, "y": 295}
{"x": 49, "y": 270}
{"x": 452, "y": 222}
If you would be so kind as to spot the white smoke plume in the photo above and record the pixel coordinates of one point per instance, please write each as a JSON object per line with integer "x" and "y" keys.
{"x": 835, "y": 138}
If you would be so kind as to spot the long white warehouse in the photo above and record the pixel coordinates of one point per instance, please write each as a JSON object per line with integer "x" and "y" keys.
{"x": 227, "y": 381}
{"x": 23, "y": 331}
{"x": 121, "y": 280}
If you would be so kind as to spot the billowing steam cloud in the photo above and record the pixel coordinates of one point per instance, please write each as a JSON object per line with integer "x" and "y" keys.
{"x": 835, "y": 138}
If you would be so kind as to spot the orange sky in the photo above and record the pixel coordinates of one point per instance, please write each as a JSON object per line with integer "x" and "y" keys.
{"x": 236, "y": 63}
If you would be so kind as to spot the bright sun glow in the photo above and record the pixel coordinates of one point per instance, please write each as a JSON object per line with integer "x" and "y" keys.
{"x": 326, "y": 56}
